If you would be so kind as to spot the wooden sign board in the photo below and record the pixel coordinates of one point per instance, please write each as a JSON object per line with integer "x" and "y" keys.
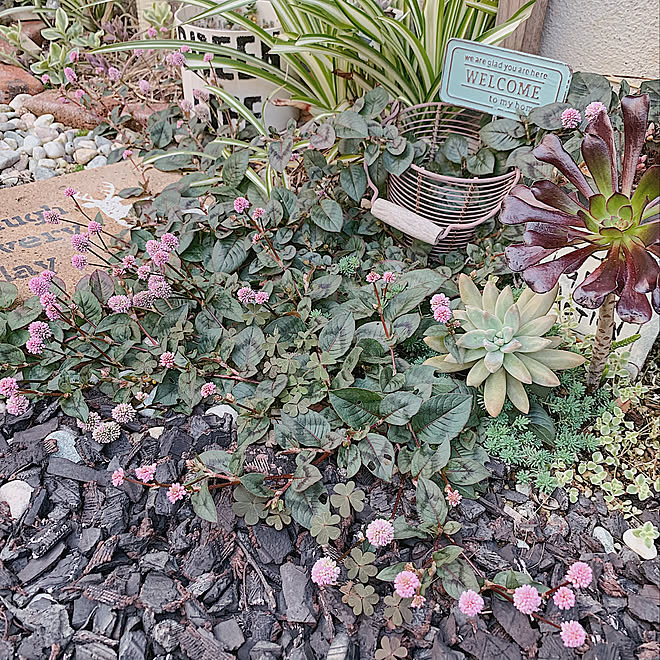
{"x": 500, "y": 82}
{"x": 30, "y": 245}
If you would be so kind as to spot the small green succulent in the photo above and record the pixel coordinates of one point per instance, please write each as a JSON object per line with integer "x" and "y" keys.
{"x": 503, "y": 344}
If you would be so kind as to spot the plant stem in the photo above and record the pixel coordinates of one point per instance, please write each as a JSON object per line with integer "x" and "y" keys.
{"x": 602, "y": 343}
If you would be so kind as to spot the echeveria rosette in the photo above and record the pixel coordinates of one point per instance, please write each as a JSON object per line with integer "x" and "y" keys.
{"x": 504, "y": 344}
{"x": 610, "y": 219}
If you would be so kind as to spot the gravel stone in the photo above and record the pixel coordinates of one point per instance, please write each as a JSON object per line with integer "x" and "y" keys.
{"x": 8, "y": 158}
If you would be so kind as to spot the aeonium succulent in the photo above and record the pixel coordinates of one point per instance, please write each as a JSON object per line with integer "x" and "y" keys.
{"x": 605, "y": 218}
{"x": 504, "y": 345}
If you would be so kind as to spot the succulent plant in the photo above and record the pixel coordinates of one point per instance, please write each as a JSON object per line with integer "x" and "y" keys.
{"x": 503, "y": 344}
{"x": 607, "y": 218}
{"x": 603, "y": 216}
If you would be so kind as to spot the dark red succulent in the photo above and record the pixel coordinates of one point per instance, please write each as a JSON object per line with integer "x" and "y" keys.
{"x": 603, "y": 216}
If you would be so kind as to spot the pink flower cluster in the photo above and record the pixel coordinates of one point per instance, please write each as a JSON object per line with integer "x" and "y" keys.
{"x": 453, "y": 496}
{"x": 248, "y": 295}
{"x": 593, "y": 110}
{"x": 176, "y": 492}
{"x": 52, "y": 217}
{"x": 176, "y": 58}
{"x": 571, "y": 118}
{"x": 440, "y": 308}
{"x": 406, "y": 584}
{"x": 528, "y": 600}
{"x": 17, "y": 404}
{"x": 167, "y": 360}
{"x": 119, "y": 304}
{"x": 325, "y": 572}
{"x": 40, "y": 333}
{"x": 241, "y": 204}
{"x": 123, "y": 413}
{"x": 380, "y": 533}
{"x": 208, "y": 389}
{"x": 372, "y": 277}
{"x": 146, "y": 472}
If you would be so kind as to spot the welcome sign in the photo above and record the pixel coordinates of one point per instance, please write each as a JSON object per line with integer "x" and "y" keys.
{"x": 499, "y": 81}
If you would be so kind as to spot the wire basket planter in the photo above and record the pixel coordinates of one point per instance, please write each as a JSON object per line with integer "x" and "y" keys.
{"x": 442, "y": 210}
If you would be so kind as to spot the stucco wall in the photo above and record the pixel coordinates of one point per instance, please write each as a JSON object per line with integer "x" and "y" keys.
{"x": 612, "y": 37}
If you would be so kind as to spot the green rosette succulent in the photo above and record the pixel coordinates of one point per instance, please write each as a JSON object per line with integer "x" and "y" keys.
{"x": 503, "y": 344}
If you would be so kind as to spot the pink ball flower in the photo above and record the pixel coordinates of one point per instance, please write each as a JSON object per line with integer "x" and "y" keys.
{"x": 8, "y": 386}
{"x": 571, "y": 118}
{"x": 439, "y": 300}
{"x": 246, "y": 295}
{"x": 144, "y": 86}
{"x": 261, "y": 297}
{"x": 17, "y": 405}
{"x": 48, "y": 299}
{"x": 79, "y": 261}
{"x": 389, "y": 277}
{"x": 79, "y": 93}
{"x": 453, "y": 497}
{"x": 208, "y": 57}
{"x": 185, "y": 48}
{"x": 406, "y": 584}
{"x": 114, "y": 74}
{"x": 167, "y": 360}
{"x": 442, "y": 314}
{"x": 69, "y": 192}
{"x": 152, "y": 247}
{"x": 126, "y": 154}
{"x": 527, "y": 599}
{"x": 380, "y": 532}
{"x": 572, "y": 634}
{"x": 52, "y": 217}
{"x": 258, "y": 213}
{"x": 201, "y": 94}
{"x": 208, "y": 389}
{"x": 579, "y": 574}
{"x": 325, "y": 571}
{"x": 161, "y": 257}
{"x": 143, "y": 299}
{"x": 241, "y": 204}
{"x": 169, "y": 242}
{"x": 123, "y": 413}
{"x": 152, "y": 32}
{"x": 158, "y": 287}
{"x": 80, "y": 242}
{"x": 564, "y": 598}
{"x": 119, "y": 304}
{"x": 143, "y": 272}
{"x": 118, "y": 477}
{"x": 145, "y": 472}
{"x": 372, "y": 277}
{"x": 176, "y": 492}
{"x": 186, "y": 106}
{"x": 39, "y": 286}
{"x": 94, "y": 228}
{"x": 40, "y": 329}
{"x": 128, "y": 261}
{"x": 48, "y": 275}
{"x": 470, "y": 603}
{"x": 53, "y": 312}
{"x": 35, "y": 345}
{"x": 70, "y": 74}
{"x": 74, "y": 56}
{"x": 593, "y": 110}
{"x": 45, "y": 79}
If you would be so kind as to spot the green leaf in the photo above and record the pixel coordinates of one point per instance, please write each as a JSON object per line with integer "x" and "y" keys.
{"x": 548, "y": 117}
{"x": 512, "y": 579}
{"x": 189, "y": 387}
{"x": 404, "y": 302}
{"x": 324, "y": 137}
{"x": 375, "y": 101}
{"x": 442, "y": 418}
{"x": 397, "y": 165}
{"x": 503, "y": 134}
{"x": 377, "y": 455}
{"x": 229, "y": 253}
{"x": 74, "y": 405}
{"x": 337, "y": 335}
{"x": 161, "y": 133}
{"x": 8, "y": 294}
{"x": 349, "y": 124}
{"x": 402, "y": 530}
{"x": 29, "y": 311}
{"x": 466, "y": 471}
{"x": 101, "y": 285}
{"x": 349, "y": 460}
{"x": 254, "y": 483}
{"x": 203, "y": 504}
{"x": 328, "y": 215}
{"x": 541, "y": 423}
{"x": 589, "y": 87}
{"x": 447, "y": 555}
{"x": 431, "y": 504}
{"x": 353, "y": 179}
{"x": 234, "y": 168}
{"x": 481, "y": 163}
{"x": 455, "y": 148}
{"x": 11, "y": 355}
{"x": 427, "y": 460}
{"x": 356, "y": 407}
{"x": 248, "y": 348}
{"x": 309, "y": 429}
{"x": 458, "y": 577}
{"x": 307, "y": 504}
{"x": 216, "y": 460}
{"x": 88, "y": 305}
{"x": 390, "y": 572}
{"x": 279, "y": 153}
{"x": 398, "y": 408}
{"x": 324, "y": 286}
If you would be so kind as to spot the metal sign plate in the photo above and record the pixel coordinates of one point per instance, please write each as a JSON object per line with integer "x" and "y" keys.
{"x": 500, "y": 81}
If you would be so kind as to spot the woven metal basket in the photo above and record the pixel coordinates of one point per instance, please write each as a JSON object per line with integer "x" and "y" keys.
{"x": 454, "y": 206}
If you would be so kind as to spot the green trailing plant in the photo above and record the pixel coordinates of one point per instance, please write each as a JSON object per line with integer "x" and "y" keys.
{"x": 503, "y": 344}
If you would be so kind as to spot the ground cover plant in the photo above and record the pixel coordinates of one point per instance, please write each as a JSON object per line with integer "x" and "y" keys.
{"x": 261, "y": 283}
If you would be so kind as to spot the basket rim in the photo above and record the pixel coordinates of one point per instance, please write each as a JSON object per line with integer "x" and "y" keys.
{"x": 458, "y": 179}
